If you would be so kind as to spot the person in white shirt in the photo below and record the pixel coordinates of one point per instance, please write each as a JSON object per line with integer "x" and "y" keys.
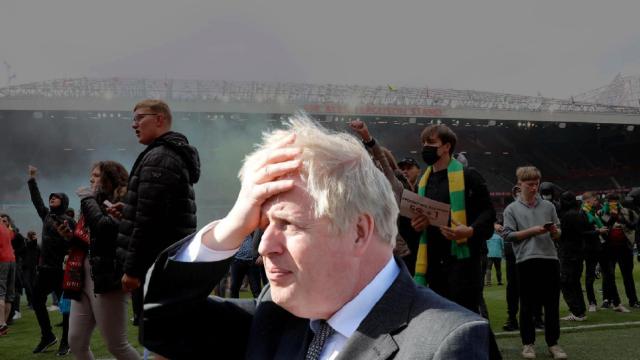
{"x": 335, "y": 290}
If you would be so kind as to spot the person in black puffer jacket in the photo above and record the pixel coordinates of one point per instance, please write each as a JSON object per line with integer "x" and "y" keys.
{"x": 53, "y": 250}
{"x": 100, "y": 300}
{"x": 159, "y": 208}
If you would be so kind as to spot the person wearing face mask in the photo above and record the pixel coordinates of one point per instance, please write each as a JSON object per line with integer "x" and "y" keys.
{"x": 449, "y": 258}
{"x": 548, "y": 192}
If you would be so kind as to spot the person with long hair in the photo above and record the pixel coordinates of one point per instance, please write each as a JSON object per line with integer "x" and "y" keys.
{"x": 100, "y": 300}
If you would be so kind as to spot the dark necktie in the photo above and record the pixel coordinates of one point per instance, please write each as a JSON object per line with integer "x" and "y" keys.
{"x": 315, "y": 348}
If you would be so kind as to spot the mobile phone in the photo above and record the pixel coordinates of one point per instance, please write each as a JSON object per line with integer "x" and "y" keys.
{"x": 548, "y": 225}
{"x": 107, "y": 203}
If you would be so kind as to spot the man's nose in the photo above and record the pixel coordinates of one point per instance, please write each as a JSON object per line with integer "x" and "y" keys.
{"x": 271, "y": 241}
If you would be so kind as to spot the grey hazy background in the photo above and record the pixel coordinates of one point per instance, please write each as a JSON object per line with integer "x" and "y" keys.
{"x": 557, "y": 48}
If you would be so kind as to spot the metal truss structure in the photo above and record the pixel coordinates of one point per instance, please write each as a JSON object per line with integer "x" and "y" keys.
{"x": 622, "y": 91}
{"x": 302, "y": 94}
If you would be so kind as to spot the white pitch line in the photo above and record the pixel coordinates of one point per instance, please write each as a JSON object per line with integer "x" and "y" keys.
{"x": 571, "y": 328}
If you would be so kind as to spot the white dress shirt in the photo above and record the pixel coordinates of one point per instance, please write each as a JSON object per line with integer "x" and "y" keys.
{"x": 346, "y": 321}
{"x": 195, "y": 251}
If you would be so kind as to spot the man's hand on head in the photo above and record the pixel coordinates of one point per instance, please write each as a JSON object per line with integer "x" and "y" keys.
{"x": 262, "y": 179}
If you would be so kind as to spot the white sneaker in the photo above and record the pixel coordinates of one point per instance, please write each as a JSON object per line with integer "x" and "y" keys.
{"x": 621, "y": 308}
{"x": 572, "y": 317}
{"x": 593, "y": 308}
{"x": 52, "y": 308}
{"x": 528, "y": 352}
{"x": 17, "y": 315}
{"x": 557, "y": 353}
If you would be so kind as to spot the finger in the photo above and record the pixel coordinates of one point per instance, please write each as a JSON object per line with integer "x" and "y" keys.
{"x": 445, "y": 233}
{"x": 285, "y": 141}
{"x": 269, "y": 189}
{"x": 273, "y": 171}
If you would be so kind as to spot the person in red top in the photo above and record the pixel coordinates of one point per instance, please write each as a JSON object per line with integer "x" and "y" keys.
{"x": 7, "y": 274}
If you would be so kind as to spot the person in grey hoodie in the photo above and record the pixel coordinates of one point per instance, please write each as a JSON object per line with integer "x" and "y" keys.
{"x": 531, "y": 224}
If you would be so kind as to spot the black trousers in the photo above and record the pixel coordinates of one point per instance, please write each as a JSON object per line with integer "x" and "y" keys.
{"x": 590, "y": 263}
{"x": 570, "y": 283}
{"x": 513, "y": 292}
{"x": 47, "y": 280}
{"x": 29, "y": 280}
{"x": 539, "y": 285}
{"x": 240, "y": 268}
{"x": 623, "y": 256}
{"x": 459, "y": 281}
{"x": 15, "y": 305}
{"x": 497, "y": 264}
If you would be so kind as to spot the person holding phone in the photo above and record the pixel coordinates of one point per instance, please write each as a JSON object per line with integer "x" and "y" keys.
{"x": 96, "y": 292}
{"x": 531, "y": 224}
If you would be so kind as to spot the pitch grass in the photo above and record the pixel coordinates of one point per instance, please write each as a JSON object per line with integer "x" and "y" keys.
{"x": 619, "y": 342}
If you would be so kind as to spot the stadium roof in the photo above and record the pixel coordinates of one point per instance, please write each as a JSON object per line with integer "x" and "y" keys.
{"x": 119, "y": 94}
{"x": 622, "y": 91}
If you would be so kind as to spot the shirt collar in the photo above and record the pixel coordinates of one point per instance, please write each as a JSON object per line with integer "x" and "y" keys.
{"x": 348, "y": 318}
{"x": 538, "y": 198}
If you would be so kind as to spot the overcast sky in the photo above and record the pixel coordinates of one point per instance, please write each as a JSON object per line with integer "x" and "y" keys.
{"x": 558, "y": 48}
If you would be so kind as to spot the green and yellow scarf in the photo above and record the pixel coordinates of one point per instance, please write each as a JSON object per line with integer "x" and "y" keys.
{"x": 459, "y": 248}
{"x": 594, "y": 219}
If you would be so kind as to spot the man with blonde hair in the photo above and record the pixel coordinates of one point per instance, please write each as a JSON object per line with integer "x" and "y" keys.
{"x": 335, "y": 289}
{"x": 531, "y": 225}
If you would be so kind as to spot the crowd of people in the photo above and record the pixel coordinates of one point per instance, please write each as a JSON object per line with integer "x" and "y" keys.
{"x": 333, "y": 267}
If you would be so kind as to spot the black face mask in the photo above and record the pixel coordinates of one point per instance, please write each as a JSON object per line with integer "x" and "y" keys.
{"x": 430, "y": 154}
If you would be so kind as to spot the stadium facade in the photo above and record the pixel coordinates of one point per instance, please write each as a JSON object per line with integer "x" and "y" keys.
{"x": 64, "y": 125}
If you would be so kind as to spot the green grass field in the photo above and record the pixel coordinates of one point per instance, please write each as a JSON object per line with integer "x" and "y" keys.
{"x": 613, "y": 335}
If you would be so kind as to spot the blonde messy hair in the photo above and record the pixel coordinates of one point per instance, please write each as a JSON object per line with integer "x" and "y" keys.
{"x": 340, "y": 176}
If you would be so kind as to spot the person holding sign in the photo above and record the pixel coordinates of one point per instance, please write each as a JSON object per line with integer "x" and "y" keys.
{"x": 449, "y": 256}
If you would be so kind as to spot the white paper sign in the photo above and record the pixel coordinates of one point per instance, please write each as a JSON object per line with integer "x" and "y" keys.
{"x": 413, "y": 204}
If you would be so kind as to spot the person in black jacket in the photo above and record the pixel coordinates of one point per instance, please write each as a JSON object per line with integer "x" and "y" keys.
{"x": 450, "y": 261}
{"x": 457, "y": 279}
{"x": 100, "y": 300}
{"x": 571, "y": 252}
{"x": 159, "y": 208}
{"x": 30, "y": 264}
{"x": 53, "y": 250}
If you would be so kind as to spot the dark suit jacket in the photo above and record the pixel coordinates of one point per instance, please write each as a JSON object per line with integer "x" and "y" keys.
{"x": 181, "y": 321}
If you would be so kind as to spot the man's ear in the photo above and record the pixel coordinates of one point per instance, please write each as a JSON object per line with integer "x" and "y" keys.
{"x": 160, "y": 120}
{"x": 447, "y": 147}
{"x": 364, "y": 233}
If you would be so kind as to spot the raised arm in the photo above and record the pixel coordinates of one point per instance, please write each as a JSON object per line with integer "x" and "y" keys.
{"x": 378, "y": 154}
{"x": 36, "y": 198}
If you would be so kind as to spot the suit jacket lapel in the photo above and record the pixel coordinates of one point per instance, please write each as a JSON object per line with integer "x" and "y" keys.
{"x": 374, "y": 338}
{"x": 276, "y": 333}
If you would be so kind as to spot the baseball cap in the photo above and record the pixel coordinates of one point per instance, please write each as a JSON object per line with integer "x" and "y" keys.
{"x": 408, "y": 161}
